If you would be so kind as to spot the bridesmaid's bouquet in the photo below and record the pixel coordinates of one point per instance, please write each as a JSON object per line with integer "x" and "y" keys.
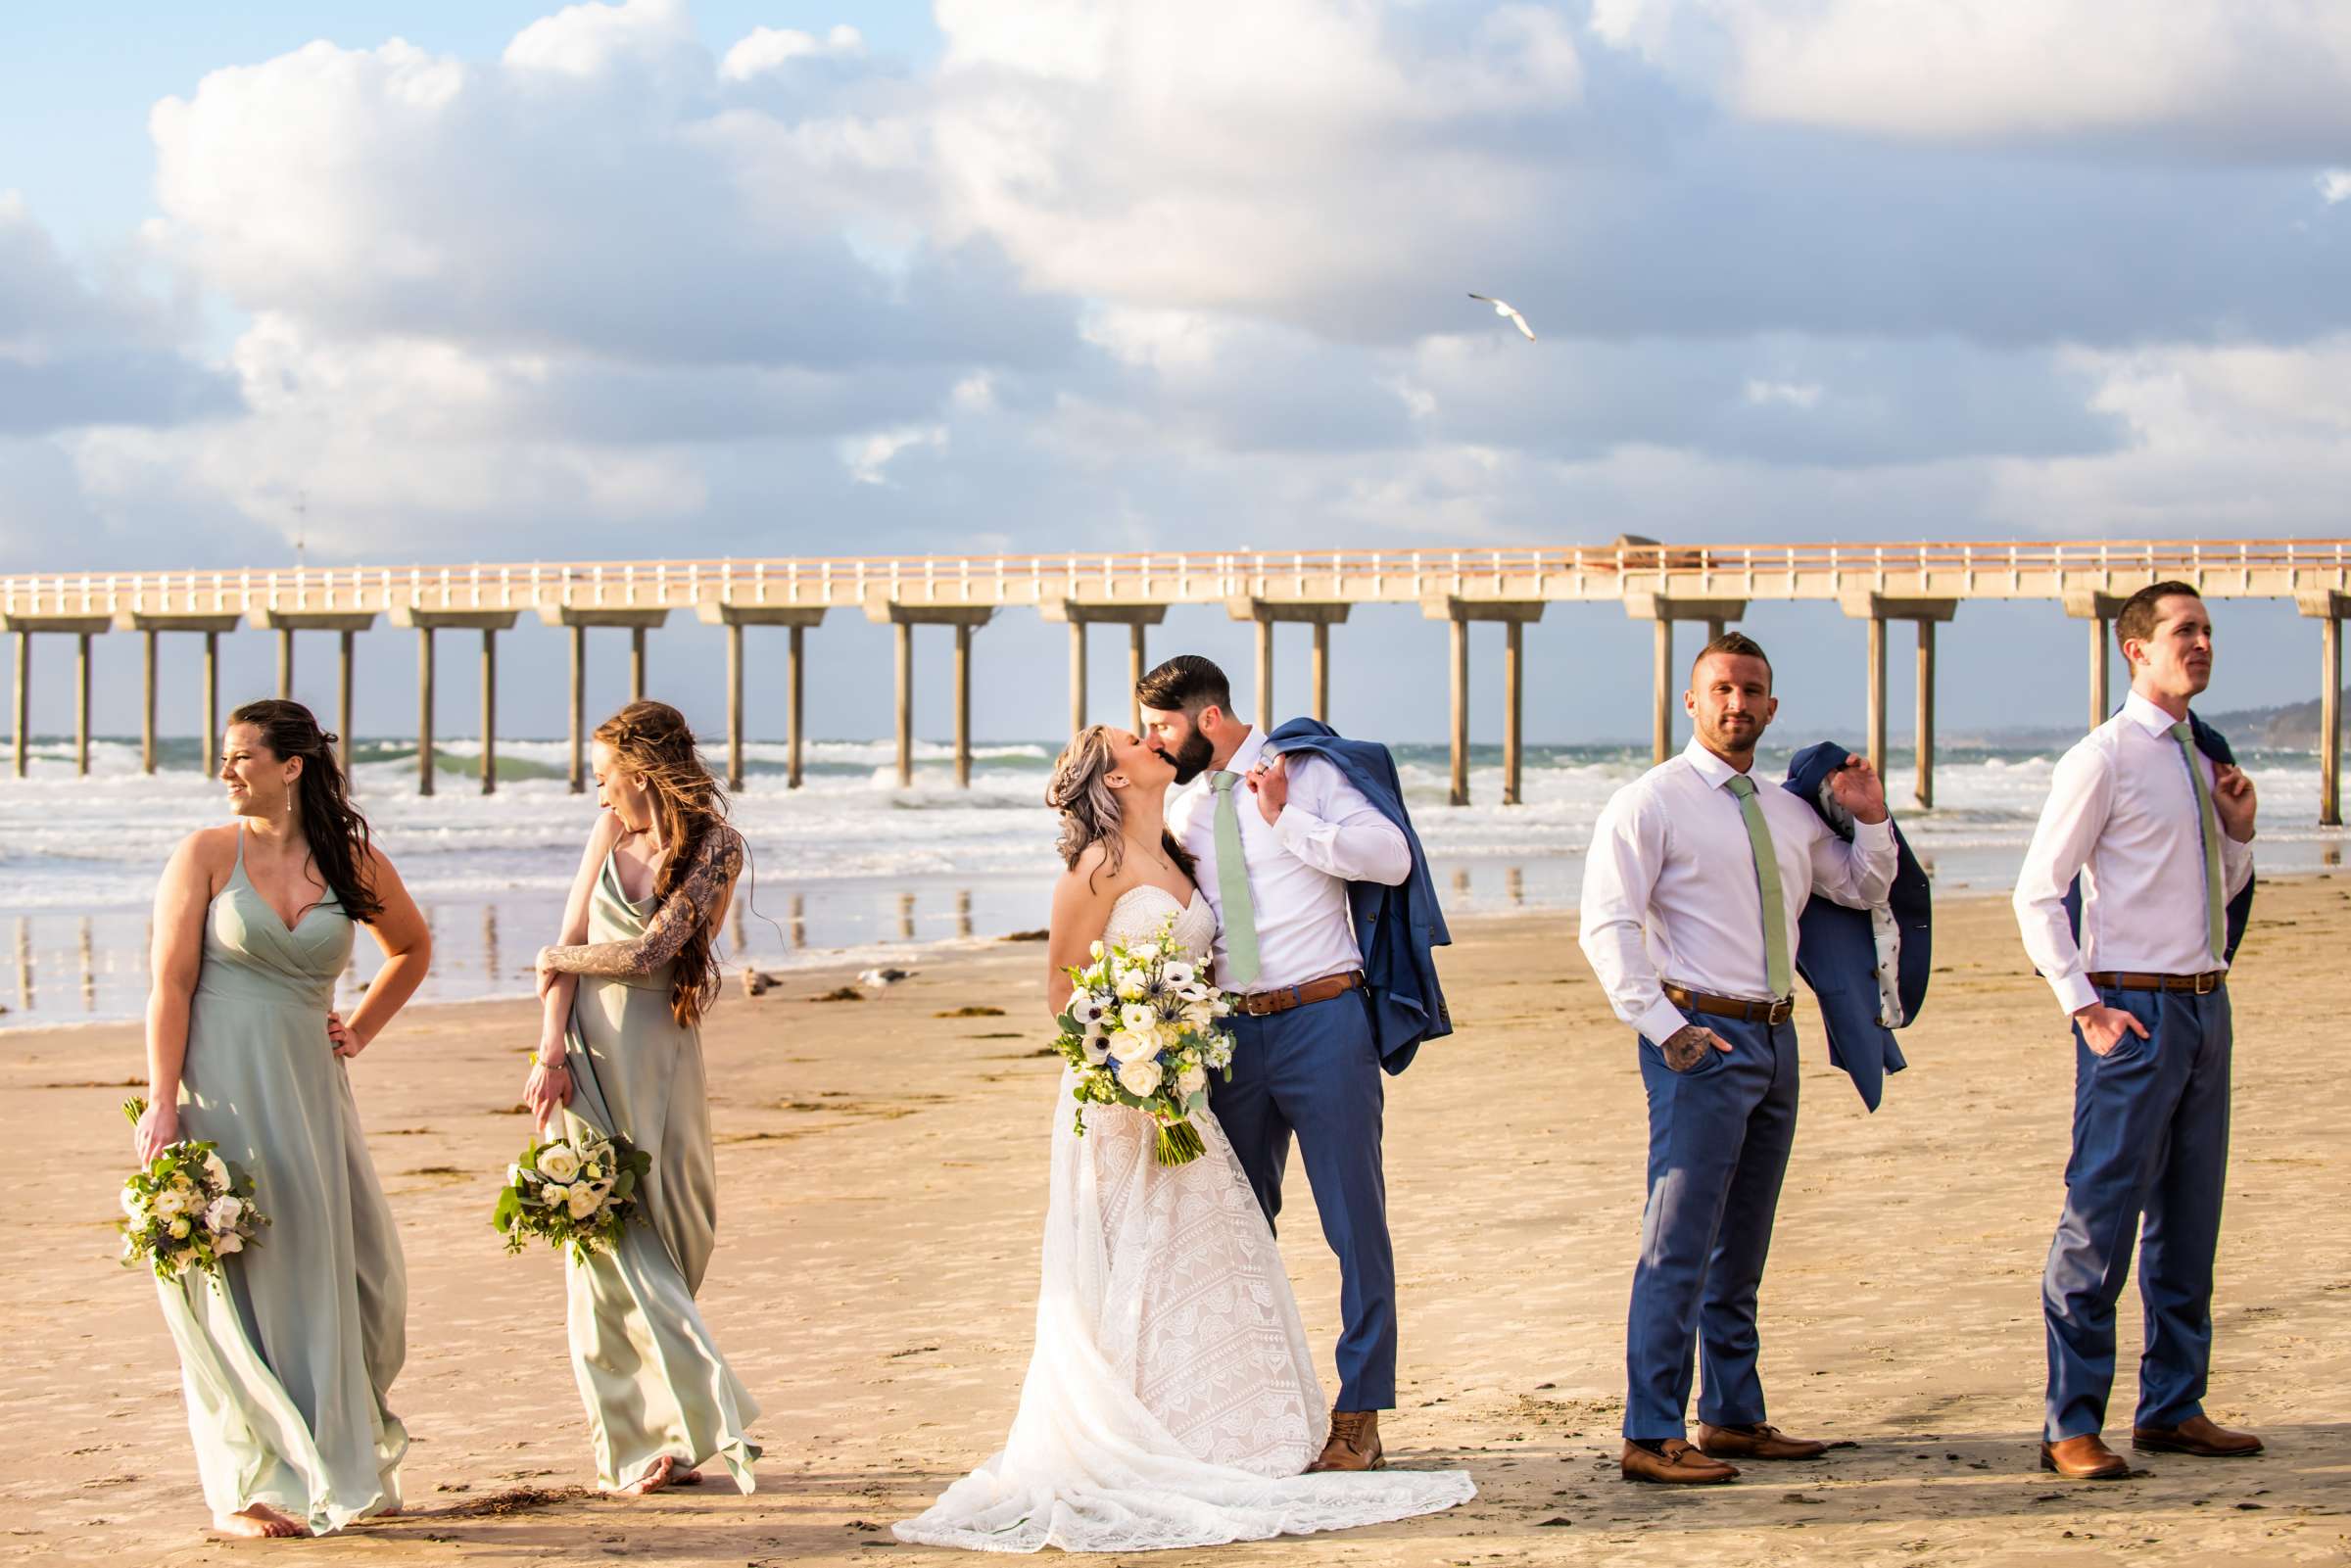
{"x": 568, "y": 1192}
{"x": 1140, "y": 1031}
{"x": 186, "y": 1209}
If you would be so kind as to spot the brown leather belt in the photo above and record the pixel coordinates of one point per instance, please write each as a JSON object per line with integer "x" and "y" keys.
{"x": 1731, "y": 1007}
{"x": 1260, "y": 1003}
{"x": 2203, "y": 985}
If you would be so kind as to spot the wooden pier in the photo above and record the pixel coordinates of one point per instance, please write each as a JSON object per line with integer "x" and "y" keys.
{"x": 1708, "y": 584}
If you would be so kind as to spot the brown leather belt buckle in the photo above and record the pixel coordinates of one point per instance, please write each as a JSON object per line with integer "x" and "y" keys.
{"x": 1262, "y": 1004}
{"x": 1731, "y": 1007}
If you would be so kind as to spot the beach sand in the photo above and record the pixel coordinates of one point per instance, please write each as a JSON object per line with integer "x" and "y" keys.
{"x": 883, "y": 1168}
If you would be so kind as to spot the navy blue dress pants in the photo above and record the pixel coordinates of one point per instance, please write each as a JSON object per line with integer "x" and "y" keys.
{"x": 1718, "y": 1142}
{"x": 2150, "y": 1154}
{"x": 1314, "y": 1070}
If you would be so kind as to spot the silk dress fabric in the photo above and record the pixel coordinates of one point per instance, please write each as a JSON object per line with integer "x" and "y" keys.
{"x": 648, "y": 1369}
{"x": 288, "y": 1353}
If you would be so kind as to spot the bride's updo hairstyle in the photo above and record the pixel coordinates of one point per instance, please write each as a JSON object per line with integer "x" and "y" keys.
{"x": 1089, "y": 807}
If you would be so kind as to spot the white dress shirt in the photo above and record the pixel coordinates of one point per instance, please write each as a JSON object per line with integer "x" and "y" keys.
{"x": 1328, "y": 834}
{"x": 1670, "y": 890}
{"x": 2121, "y": 812}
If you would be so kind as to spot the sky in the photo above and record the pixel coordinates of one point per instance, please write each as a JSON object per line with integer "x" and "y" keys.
{"x": 502, "y": 281}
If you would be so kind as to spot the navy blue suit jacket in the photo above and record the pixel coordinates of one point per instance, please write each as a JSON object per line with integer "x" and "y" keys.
{"x": 1397, "y": 927}
{"x": 2215, "y": 746}
{"x": 1837, "y": 949}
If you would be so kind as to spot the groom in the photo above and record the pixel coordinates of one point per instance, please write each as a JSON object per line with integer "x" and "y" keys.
{"x": 1276, "y": 840}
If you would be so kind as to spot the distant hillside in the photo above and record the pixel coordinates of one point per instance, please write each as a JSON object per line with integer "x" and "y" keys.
{"x": 2292, "y": 728}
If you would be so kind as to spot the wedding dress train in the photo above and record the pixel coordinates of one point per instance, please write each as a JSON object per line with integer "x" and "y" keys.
{"x": 1170, "y": 1398}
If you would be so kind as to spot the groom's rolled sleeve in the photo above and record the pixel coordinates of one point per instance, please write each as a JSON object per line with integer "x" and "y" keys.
{"x": 1334, "y": 827}
{"x": 1628, "y": 847}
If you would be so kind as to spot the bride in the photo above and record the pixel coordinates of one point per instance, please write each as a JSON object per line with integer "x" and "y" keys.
{"x": 1170, "y": 1398}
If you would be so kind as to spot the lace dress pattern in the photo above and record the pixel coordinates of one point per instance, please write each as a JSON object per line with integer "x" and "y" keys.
{"x": 1172, "y": 1398}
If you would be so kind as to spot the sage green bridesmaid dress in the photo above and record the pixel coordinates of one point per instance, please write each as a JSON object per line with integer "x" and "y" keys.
{"x": 648, "y": 1369}
{"x": 286, "y": 1355}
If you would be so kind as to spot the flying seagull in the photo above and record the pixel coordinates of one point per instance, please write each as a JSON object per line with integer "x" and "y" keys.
{"x": 1502, "y": 307}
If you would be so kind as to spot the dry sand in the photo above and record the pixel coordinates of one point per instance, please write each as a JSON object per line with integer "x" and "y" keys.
{"x": 883, "y": 1166}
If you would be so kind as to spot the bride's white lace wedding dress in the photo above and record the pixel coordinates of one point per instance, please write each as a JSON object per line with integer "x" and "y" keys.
{"x": 1171, "y": 1397}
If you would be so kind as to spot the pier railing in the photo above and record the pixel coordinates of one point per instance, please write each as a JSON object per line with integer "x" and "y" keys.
{"x": 1965, "y": 569}
{"x": 1923, "y": 582}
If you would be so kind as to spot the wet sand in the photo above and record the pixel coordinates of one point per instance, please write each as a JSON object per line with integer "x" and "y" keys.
{"x": 883, "y": 1171}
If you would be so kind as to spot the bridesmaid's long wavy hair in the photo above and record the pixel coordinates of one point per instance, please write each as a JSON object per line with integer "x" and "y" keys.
{"x": 1089, "y": 807}
{"x": 337, "y": 834}
{"x": 654, "y": 741}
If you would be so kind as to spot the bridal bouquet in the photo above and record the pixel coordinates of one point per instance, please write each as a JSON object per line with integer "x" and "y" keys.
{"x": 1140, "y": 1031}
{"x": 569, "y": 1192}
{"x": 186, "y": 1209}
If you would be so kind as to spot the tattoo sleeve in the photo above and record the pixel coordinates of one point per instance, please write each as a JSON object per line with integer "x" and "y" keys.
{"x": 716, "y": 864}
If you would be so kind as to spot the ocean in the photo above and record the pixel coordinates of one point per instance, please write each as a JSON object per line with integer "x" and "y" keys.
{"x": 851, "y": 866}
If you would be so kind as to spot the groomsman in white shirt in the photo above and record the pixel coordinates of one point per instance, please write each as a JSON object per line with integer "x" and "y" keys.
{"x": 2161, "y": 839}
{"x": 1697, "y": 877}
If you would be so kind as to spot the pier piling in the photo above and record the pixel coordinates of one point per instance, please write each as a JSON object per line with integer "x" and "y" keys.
{"x": 2099, "y": 611}
{"x": 1080, "y": 614}
{"x": 1321, "y": 614}
{"x": 79, "y": 627}
{"x": 579, "y": 618}
{"x": 903, "y": 619}
{"x": 1515, "y": 615}
{"x": 425, "y": 622}
{"x": 1878, "y": 609}
{"x": 1665, "y": 609}
{"x": 734, "y": 615}
{"x": 2327, "y": 608}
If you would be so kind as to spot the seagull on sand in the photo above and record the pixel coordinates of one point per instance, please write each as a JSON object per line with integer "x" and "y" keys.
{"x": 1503, "y": 308}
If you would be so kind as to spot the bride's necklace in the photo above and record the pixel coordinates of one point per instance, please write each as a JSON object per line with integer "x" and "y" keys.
{"x": 1152, "y": 850}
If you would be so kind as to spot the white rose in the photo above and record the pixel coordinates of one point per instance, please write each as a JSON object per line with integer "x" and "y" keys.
{"x": 1193, "y": 1079}
{"x": 1140, "y": 1076}
{"x": 180, "y": 1227}
{"x": 1131, "y": 984}
{"x": 583, "y": 1201}
{"x": 166, "y": 1205}
{"x": 215, "y": 1169}
{"x": 1129, "y": 1047}
{"x": 550, "y": 1196}
{"x": 230, "y": 1243}
{"x": 559, "y": 1163}
{"x": 223, "y": 1214}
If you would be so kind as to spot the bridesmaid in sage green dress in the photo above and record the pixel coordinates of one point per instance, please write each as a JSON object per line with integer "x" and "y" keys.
{"x": 288, "y": 1353}
{"x": 621, "y": 1052}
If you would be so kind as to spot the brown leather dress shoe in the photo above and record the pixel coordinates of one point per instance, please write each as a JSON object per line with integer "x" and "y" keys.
{"x": 1354, "y": 1443}
{"x": 2197, "y": 1435}
{"x": 1674, "y": 1463}
{"x": 2083, "y": 1458}
{"x": 1761, "y": 1441}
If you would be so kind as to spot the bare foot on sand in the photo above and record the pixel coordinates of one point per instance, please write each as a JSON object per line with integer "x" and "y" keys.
{"x": 683, "y": 1477}
{"x": 258, "y": 1523}
{"x": 656, "y": 1476}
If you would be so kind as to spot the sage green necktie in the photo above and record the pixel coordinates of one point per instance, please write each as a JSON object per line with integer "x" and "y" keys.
{"x": 1767, "y": 883}
{"x": 2208, "y": 828}
{"x": 1232, "y": 885}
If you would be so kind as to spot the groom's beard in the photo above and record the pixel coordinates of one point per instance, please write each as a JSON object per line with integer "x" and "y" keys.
{"x": 1191, "y": 759}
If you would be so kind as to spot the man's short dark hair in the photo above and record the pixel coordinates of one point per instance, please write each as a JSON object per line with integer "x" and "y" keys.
{"x": 1188, "y": 682}
{"x": 1737, "y": 645}
{"x": 2143, "y": 609}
